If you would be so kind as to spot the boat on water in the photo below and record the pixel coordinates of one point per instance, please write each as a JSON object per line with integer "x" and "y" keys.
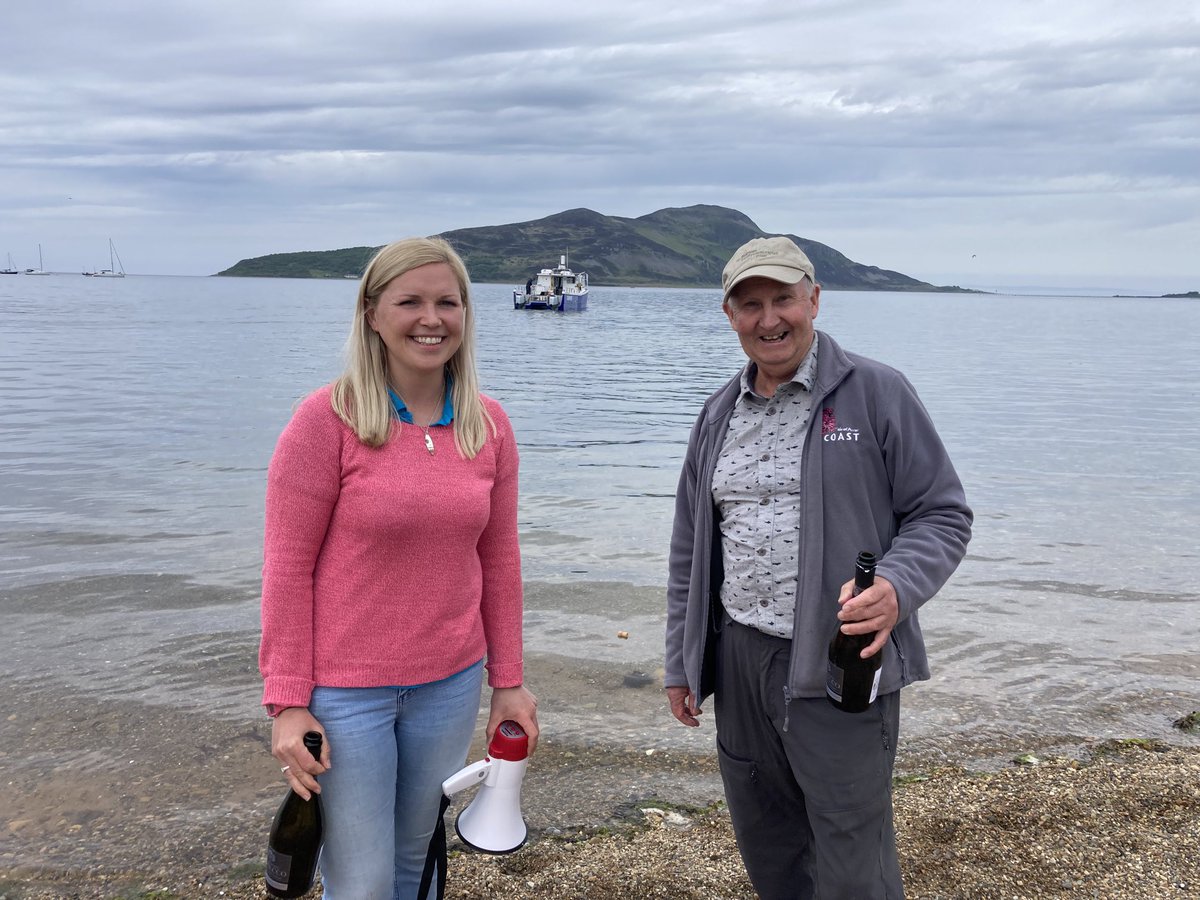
{"x": 10, "y": 270}
{"x": 558, "y": 289}
{"x": 116, "y": 268}
{"x": 41, "y": 269}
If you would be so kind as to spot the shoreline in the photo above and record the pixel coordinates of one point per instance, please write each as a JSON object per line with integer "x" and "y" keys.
{"x": 117, "y": 799}
{"x": 136, "y": 766}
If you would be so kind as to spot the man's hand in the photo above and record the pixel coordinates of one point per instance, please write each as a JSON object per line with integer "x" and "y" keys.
{"x": 875, "y": 609}
{"x": 683, "y": 706}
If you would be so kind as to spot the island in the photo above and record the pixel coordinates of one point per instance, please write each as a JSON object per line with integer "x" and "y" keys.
{"x": 674, "y": 247}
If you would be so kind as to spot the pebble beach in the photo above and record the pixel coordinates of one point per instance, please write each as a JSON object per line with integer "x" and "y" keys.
{"x": 114, "y": 798}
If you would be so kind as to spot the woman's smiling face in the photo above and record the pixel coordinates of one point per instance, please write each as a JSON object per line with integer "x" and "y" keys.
{"x": 419, "y": 317}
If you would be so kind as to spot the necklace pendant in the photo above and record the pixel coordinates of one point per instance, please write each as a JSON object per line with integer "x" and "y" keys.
{"x": 429, "y": 443}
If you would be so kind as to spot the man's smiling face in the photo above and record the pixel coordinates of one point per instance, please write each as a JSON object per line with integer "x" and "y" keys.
{"x": 774, "y": 322}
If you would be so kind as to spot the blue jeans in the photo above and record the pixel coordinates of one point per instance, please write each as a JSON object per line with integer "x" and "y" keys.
{"x": 390, "y": 750}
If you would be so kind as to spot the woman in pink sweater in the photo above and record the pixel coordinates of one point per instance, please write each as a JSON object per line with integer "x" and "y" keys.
{"x": 391, "y": 572}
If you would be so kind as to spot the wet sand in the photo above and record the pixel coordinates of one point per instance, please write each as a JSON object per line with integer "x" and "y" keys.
{"x": 116, "y": 799}
{"x": 112, "y": 794}
{"x": 134, "y": 751}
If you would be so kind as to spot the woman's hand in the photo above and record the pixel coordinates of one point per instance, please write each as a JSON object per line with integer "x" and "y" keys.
{"x": 518, "y": 704}
{"x": 287, "y": 746}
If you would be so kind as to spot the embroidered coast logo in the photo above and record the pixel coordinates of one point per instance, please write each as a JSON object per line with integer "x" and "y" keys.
{"x": 830, "y": 430}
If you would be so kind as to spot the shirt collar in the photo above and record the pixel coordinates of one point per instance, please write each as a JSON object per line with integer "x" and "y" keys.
{"x": 447, "y": 406}
{"x": 805, "y": 377}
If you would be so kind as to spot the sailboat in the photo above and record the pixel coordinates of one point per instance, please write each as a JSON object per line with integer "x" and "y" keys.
{"x": 40, "y": 270}
{"x": 114, "y": 270}
{"x": 10, "y": 270}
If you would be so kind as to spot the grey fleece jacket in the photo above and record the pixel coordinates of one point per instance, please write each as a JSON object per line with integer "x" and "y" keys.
{"x": 875, "y": 476}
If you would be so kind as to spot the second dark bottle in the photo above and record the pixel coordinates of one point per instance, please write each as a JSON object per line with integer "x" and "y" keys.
{"x": 852, "y": 682}
{"x": 295, "y": 842}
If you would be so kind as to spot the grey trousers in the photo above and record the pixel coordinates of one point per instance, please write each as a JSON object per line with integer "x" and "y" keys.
{"x": 811, "y": 805}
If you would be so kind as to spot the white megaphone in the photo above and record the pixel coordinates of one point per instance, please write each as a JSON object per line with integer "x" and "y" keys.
{"x": 492, "y": 822}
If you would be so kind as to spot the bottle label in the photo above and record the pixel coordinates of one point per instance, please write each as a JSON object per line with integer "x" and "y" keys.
{"x": 834, "y": 677}
{"x": 279, "y": 869}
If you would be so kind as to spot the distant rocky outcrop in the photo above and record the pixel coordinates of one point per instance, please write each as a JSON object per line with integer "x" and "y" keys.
{"x": 675, "y": 247}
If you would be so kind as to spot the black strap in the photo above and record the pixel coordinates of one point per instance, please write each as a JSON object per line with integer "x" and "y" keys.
{"x": 435, "y": 860}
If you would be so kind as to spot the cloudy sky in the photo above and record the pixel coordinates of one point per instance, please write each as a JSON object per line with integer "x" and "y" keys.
{"x": 1000, "y": 144}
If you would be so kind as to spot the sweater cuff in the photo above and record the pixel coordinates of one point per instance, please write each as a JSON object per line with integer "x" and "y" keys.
{"x": 282, "y": 691}
{"x": 505, "y": 675}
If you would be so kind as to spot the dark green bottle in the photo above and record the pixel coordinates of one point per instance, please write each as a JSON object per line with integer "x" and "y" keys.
{"x": 852, "y": 682}
{"x": 295, "y": 842}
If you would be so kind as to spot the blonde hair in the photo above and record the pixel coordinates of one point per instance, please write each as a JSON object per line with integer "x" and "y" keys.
{"x": 360, "y": 395}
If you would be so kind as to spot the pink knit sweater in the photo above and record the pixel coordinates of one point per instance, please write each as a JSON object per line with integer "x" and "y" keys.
{"x": 387, "y": 566}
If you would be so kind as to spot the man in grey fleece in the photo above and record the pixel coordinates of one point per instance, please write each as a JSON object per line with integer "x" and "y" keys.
{"x": 807, "y": 456}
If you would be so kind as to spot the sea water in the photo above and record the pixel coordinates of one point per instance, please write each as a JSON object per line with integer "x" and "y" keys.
{"x": 138, "y": 416}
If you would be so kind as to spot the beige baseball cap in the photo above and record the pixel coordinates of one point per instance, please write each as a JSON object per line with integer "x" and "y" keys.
{"x": 777, "y": 258}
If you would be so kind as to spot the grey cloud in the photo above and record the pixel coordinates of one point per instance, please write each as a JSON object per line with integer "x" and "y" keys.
{"x": 363, "y": 117}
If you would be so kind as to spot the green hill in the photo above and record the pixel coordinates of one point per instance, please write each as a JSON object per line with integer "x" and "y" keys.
{"x": 305, "y": 264}
{"x": 678, "y": 247}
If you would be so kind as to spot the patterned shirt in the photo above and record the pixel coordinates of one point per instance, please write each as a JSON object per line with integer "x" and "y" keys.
{"x": 756, "y": 487}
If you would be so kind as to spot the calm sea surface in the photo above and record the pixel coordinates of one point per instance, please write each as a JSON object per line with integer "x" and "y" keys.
{"x": 137, "y": 418}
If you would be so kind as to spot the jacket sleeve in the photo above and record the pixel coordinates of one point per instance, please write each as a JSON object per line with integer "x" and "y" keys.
{"x": 929, "y": 504}
{"x": 680, "y": 562}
